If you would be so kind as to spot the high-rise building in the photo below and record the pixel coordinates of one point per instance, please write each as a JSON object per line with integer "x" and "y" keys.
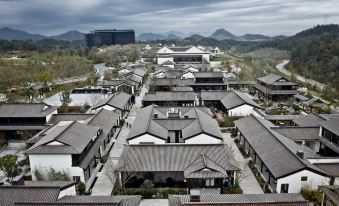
{"x": 109, "y": 37}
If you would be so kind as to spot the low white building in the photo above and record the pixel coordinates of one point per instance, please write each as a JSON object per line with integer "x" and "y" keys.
{"x": 283, "y": 163}
{"x": 233, "y": 103}
{"x": 71, "y": 147}
{"x": 161, "y": 125}
{"x": 182, "y": 54}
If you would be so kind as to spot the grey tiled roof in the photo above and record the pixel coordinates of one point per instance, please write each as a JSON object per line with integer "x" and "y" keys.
{"x": 9, "y": 195}
{"x": 213, "y": 95}
{"x": 68, "y": 117}
{"x": 169, "y": 96}
{"x": 299, "y": 133}
{"x": 119, "y": 200}
{"x": 309, "y": 120}
{"x": 119, "y": 101}
{"x": 330, "y": 168}
{"x": 243, "y": 199}
{"x": 332, "y": 124}
{"x": 204, "y": 166}
{"x": 60, "y": 184}
{"x": 74, "y": 136}
{"x": 174, "y": 157}
{"x": 235, "y": 99}
{"x": 172, "y": 81}
{"x": 198, "y": 120}
{"x": 26, "y": 110}
{"x": 273, "y": 79}
{"x": 275, "y": 150}
{"x": 283, "y": 117}
{"x": 182, "y": 89}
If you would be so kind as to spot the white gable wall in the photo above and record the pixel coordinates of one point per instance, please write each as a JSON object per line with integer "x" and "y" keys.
{"x": 146, "y": 138}
{"x": 243, "y": 110}
{"x": 165, "y": 50}
{"x": 203, "y": 139}
{"x": 70, "y": 191}
{"x": 295, "y": 184}
{"x": 58, "y": 162}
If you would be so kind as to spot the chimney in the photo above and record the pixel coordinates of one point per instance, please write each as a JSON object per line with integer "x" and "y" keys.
{"x": 194, "y": 196}
{"x": 155, "y": 115}
{"x": 300, "y": 154}
{"x": 186, "y": 116}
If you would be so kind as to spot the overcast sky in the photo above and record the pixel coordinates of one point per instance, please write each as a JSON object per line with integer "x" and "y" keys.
{"x": 271, "y": 17}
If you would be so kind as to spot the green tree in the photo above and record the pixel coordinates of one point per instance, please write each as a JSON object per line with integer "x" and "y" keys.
{"x": 44, "y": 77}
{"x": 10, "y": 166}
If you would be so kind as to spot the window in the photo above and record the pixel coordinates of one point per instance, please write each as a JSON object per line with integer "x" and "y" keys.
{"x": 304, "y": 178}
{"x": 76, "y": 178}
{"x": 209, "y": 182}
{"x": 284, "y": 188}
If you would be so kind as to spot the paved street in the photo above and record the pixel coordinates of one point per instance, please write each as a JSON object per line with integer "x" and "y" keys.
{"x": 248, "y": 182}
{"x": 104, "y": 183}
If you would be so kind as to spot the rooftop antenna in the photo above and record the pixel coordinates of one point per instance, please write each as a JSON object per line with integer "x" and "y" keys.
{"x": 325, "y": 18}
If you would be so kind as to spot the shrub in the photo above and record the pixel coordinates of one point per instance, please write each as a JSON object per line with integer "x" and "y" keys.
{"x": 81, "y": 188}
{"x": 147, "y": 189}
{"x": 233, "y": 132}
{"x": 312, "y": 195}
{"x": 38, "y": 175}
{"x": 236, "y": 189}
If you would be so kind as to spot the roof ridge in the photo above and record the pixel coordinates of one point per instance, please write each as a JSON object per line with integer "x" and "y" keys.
{"x": 64, "y": 130}
{"x": 285, "y": 146}
{"x": 198, "y": 117}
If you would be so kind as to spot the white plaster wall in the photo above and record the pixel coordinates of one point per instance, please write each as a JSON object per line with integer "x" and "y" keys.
{"x": 295, "y": 184}
{"x": 188, "y": 75}
{"x": 146, "y": 138}
{"x": 203, "y": 139}
{"x": 58, "y": 162}
{"x": 161, "y": 60}
{"x": 243, "y": 110}
{"x": 206, "y": 57}
{"x": 160, "y": 75}
{"x": 48, "y": 117}
{"x": 70, "y": 191}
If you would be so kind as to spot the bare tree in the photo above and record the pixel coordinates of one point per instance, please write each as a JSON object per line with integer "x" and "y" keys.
{"x": 119, "y": 170}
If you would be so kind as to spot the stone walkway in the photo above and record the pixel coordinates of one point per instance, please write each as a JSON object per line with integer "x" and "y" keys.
{"x": 105, "y": 182}
{"x": 248, "y": 182}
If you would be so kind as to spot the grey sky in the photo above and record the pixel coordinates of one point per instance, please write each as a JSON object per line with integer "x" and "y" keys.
{"x": 270, "y": 17}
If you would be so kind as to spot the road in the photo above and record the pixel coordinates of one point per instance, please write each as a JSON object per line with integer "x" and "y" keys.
{"x": 281, "y": 67}
{"x": 105, "y": 182}
{"x": 101, "y": 68}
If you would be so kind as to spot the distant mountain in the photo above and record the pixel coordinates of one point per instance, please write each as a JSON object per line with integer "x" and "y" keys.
{"x": 255, "y": 37}
{"x": 279, "y": 37}
{"x": 195, "y": 37}
{"x": 320, "y": 30}
{"x": 14, "y": 34}
{"x": 154, "y": 36}
{"x": 69, "y": 36}
{"x": 221, "y": 34}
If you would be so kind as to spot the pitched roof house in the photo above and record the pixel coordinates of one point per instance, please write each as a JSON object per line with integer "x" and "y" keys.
{"x": 233, "y": 103}
{"x": 25, "y": 116}
{"x": 275, "y": 87}
{"x": 200, "y": 165}
{"x": 281, "y": 161}
{"x": 73, "y": 147}
{"x": 174, "y": 98}
{"x": 160, "y": 125}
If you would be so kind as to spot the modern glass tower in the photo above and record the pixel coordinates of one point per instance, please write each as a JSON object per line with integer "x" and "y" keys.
{"x": 109, "y": 37}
